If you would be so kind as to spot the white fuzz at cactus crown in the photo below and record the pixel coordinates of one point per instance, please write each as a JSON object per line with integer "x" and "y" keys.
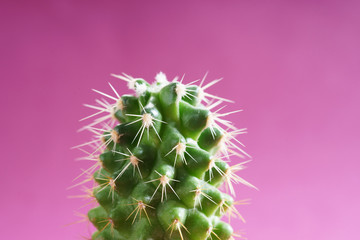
{"x": 161, "y": 78}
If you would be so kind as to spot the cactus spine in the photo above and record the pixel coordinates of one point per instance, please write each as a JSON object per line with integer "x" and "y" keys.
{"x": 160, "y": 157}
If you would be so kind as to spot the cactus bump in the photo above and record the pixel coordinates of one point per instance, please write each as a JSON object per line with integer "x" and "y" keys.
{"x": 162, "y": 165}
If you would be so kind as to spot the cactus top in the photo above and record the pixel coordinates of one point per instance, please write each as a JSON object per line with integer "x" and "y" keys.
{"x": 161, "y": 156}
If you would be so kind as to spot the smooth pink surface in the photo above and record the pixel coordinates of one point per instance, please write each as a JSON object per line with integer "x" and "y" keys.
{"x": 293, "y": 66}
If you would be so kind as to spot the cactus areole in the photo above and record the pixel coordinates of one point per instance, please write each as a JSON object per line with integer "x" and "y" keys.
{"x": 161, "y": 157}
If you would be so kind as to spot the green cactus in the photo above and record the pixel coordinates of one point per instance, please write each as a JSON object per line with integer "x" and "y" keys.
{"x": 161, "y": 156}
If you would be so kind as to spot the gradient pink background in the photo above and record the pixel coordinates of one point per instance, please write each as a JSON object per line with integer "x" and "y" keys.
{"x": 293, "y": 66}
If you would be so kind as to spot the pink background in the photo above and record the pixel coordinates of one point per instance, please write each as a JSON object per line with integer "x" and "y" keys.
{"x": 293, "y": 66}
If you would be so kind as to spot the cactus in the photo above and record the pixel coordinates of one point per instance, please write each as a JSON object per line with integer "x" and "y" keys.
{"x": 161, "y": 156}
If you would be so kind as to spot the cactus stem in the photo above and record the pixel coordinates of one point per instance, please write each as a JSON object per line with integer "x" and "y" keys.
{"x": 188, "y": 158}
{"x": 177, "y": 225}
{"x": 164, "y": 181}
{"x": 140, "y": 207}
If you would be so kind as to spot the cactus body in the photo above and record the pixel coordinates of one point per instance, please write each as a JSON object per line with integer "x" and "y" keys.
{"x": 162, "y": 154}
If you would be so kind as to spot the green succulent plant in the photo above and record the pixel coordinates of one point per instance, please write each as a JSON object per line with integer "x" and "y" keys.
{"x": 161, "y": 157}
